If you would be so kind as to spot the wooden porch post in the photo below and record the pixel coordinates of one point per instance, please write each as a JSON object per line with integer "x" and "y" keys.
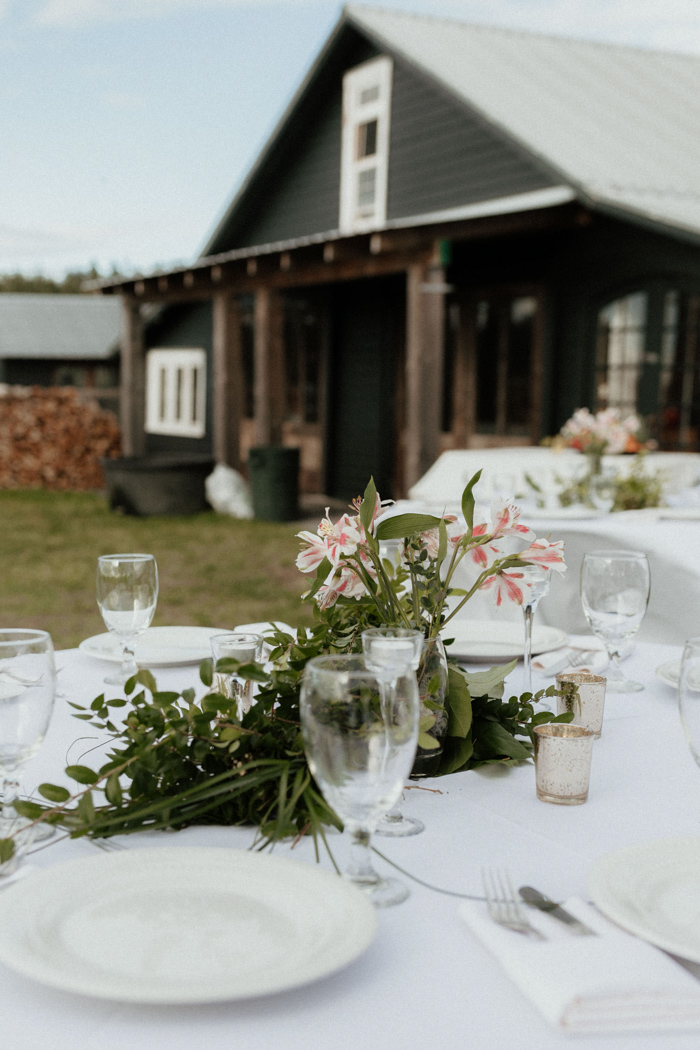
{"x": 227, "y": 379}
{"x": 425, "y": 312}
{"x": 133, "y": 385}
{"x": 269, "y": 367}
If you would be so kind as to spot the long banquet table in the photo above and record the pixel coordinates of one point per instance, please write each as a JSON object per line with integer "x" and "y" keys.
{"x": 425, "y": 981}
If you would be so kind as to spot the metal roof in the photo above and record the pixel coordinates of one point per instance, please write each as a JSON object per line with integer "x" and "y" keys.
{"x": 62, "y": 327}
{"x": 619, "y": 124}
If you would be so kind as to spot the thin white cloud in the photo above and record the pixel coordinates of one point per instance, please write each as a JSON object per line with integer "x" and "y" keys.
{"x": 77, "y": 13}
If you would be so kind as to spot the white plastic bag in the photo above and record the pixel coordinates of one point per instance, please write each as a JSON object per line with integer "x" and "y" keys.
{"x": 229, "y": 492}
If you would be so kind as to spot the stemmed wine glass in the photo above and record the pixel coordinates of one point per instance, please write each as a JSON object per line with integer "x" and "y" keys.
{"x": 615, "y": 589}
{"x": 27, "y": 689}
{"x": 536, "y": 581}
{"x": 127, "y": 592}
{"x": 689, "y": 695}
{"x": 360, "y": 748}
{"x": 395, "y": 650}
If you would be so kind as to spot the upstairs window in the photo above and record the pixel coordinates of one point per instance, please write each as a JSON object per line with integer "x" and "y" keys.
{"x": 364, "y": 165}
{"x": 176, "y": 394}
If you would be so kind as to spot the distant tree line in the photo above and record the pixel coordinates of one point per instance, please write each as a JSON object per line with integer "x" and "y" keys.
{"x": 71, "y": 284}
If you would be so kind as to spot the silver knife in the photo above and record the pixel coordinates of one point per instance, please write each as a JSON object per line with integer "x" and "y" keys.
{"x": 538, "y": 900}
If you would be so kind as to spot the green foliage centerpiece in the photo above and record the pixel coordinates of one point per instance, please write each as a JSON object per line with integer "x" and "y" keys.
{"x": 173, "y": 760}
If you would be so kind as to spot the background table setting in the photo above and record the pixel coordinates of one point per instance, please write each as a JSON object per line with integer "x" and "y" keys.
{"x": 177, "y": 939}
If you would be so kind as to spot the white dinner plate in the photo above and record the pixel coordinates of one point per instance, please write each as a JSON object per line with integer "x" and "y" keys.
{"x": 481, "y": 640}
{"x": 653, "y": 891}
{"x": 157, "y": 646}
{"x": 181, "y": 925}
{"x": 669, "y": 672}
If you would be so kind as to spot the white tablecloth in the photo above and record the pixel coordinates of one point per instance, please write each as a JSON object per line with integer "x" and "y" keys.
{"x": 425, "y": 982}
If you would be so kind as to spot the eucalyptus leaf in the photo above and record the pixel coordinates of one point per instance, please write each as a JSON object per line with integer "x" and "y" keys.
{"x": 7, "y": 850}
{"x": 83, "y": 774}
{"x": 28, "y": 810}
{"x": 54, "y": 793}
{"x": 494, "y": 740}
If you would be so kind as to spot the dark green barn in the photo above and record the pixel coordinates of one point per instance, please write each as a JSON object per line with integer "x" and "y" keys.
{"x": 456, "y": 236}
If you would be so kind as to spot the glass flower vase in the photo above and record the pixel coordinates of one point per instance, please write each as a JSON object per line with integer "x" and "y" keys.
{"x": 432, "y": 687}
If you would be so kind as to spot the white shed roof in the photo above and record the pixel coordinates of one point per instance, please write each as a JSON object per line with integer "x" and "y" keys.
{"x": 62, "y": 327}
{"x": 619, "y": 124}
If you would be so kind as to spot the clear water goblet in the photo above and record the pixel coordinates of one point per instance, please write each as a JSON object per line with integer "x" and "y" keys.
{"x": 394, "y": 650}
{"x": 127, "y": 592}
{"x": 360, "y": 747}
{"x": 536, "y": 581}
{"x": 689, "y": 695}
{"x": 27, "y": 690}
{"x": 615, "y": 588}
{"x": 245, "y": 647}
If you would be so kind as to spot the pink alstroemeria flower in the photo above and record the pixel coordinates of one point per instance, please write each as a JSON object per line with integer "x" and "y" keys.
{"x": 486, "y": 553}
{"x": 545, "y": 554}
{"x": 505, "y": 587}
{"x": 341, "y": 538}
{"x": 505, "y": 521}
{"x": 309, "y": 559}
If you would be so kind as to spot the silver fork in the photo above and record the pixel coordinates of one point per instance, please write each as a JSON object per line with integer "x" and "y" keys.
{"x": 504, "y": 907}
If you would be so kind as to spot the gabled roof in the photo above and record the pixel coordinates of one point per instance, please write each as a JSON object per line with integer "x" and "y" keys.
{"x": 619, "y": 127}
{"x": 619, "y": 124}
{"x": 61, "y": 327}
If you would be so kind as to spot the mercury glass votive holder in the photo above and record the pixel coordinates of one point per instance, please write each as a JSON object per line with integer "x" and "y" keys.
{"x": 586, "y": 702}
{"x": 563, "y": 763}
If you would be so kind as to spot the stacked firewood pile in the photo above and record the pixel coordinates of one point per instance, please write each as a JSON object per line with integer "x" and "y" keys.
{"x": 52, "y": 438}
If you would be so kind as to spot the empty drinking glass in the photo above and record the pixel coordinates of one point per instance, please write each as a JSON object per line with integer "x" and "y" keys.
{"x": 360, "y": 748}
{"x": 394, "y": 650}
{"x": 127, "y": 592}
{"x": 615, "y": 589}
{"x": 244, "y": 647}
{"x": 27, "y": 688}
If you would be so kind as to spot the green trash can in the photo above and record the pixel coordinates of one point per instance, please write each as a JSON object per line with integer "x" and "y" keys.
{"x": 273, "y": 472}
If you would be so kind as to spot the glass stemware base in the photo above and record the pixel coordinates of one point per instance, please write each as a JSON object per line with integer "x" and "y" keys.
{"x": 395, "y": 825}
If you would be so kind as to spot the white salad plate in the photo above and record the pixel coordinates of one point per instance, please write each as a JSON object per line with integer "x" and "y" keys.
{"x": 157, "y": 646}
{"x": 481, "y": 640}
{"x": 181, "y": 925}
{"x": 653, "y": 891}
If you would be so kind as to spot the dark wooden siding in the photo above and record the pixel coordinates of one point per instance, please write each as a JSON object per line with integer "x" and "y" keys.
{"x": 189, "y": 326}
{"x": 296, "y": 192}
{"x": 303, "y": 198}
{"x": 441, "y": 156}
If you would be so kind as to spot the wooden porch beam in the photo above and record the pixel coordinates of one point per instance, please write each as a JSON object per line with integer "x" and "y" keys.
{"x": 269, "y": 367}
{"x": 227, "y": 380}
{"x": 425, "y": 313}
{"x": 133, "y": 376}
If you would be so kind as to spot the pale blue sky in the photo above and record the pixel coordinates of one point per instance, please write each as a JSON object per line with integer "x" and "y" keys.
{"x": 127, "y": 124}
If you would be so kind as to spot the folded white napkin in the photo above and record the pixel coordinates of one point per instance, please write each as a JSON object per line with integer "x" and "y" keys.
{"x": 591, "y": 984}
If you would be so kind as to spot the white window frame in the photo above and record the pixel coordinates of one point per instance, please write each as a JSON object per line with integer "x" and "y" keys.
{"x": 378, "y": 72}
{"x": 176, "y": 391}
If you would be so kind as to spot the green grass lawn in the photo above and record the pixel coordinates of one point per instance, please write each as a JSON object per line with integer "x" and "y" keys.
{"x": 214, "y": 571}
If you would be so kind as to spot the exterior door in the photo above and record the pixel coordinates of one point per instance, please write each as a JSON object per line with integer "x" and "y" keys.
{"x": 361, "y": 443}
